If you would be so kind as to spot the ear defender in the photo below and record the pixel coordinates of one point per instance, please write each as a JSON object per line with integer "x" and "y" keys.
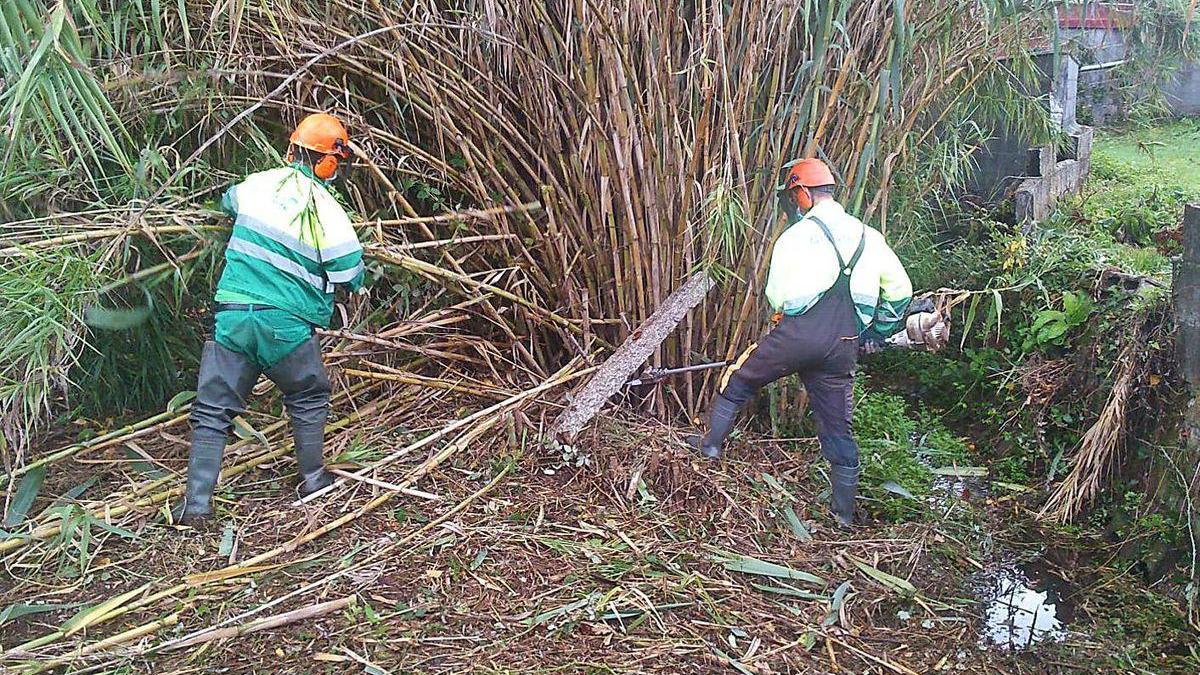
{"x": 327, "y": 167}
{"x": 804, "y": 198}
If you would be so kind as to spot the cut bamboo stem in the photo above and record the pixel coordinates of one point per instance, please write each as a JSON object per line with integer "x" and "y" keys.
{"x": 267, "y": 623}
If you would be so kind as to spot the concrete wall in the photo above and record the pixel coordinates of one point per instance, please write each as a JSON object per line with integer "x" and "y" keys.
{"x": 1036, "y": 177}
{"x": 1096, "y": 87}
{"x": 1003, "y": 160}
{"x": 1184, "y": 93}
{"x": 1052, "y": 177}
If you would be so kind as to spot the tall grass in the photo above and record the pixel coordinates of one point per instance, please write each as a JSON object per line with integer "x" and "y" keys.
{"x": 40, "y": 339}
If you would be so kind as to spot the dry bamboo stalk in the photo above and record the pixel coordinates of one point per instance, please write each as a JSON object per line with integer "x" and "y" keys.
{"x": 248, "y": 566}
{"x": 422, "y": 381}
{"x": 98, "y": 235}
{"x": 563, "y": 376}
{"x": 475, "y": 214}
{"x": 107, "y": 643}
{"x": 387, "y": 486}
{"x": 422, "y": 267}
{"x": 474, "y": 239}
{"x": 127, "y": 432}
{"x": 311, "y": 612}
{"x": 1100, "y": 443}
{"x": 48, "y": 531}
{"x": 327, "y": 580}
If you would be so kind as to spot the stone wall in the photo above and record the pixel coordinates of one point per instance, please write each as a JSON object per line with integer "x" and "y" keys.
{"x": 1001, "y": 162}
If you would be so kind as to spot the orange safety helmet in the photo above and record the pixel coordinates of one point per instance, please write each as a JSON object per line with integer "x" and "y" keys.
{"x": 324, "y": 134}
{"x": 804, "y": 174}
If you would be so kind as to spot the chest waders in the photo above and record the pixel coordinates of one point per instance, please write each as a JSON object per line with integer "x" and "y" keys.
{"x": 821, "y": 346}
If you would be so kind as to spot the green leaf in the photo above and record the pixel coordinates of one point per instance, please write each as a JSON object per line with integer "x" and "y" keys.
{"x": 1052, "y": 331}
{"x": 1045, "y": 317}
{"x": 141, "y": 465}
{"x": 961, "y": 471}
{"x": 895, "y": 583}
{"x": 479, "y": 558}
{"x": 18, "y": 610}
{"x": 370, "y": 613}
{"x": 997, "y": 309}
{"x": 226, "y": 547}
{"x": 897, "y": 489}
{"x": 971, "y": 309}
{"x": 244, "y": 431}
{"x": 91, "y": 615}
{"x": 27, "y": 492}
{"x": 543, "y": 617}
{"x": 797, "y": 525}
{"x": 20, "y": 95}
{"x": 835, "y": 604}
{"x": 108, "y": 527}
{"x": 749, "y": 565}
{"x": 179, "y": 400}
{"x": 633, "y": 612}
{"x": 776, "y": 485}
{"x": 790, "y": 592}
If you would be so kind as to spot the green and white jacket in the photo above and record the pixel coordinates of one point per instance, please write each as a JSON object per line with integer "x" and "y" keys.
{"x": 804, "y": 266}
{"x": 292, "y": 243}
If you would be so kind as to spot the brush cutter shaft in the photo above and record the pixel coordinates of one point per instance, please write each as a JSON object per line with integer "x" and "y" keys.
{"x": 653, "y": 375}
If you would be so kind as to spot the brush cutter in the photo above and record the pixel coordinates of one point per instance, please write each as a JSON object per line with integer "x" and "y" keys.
{"x": 925, "y": 328}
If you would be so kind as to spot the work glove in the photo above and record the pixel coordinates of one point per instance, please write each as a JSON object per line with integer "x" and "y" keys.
{"x": 870, "y": 342}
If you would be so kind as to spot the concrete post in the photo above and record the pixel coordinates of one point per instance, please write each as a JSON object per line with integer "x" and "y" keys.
{"x": 1186, "y": 291}
{"x": 1186, "y": 296}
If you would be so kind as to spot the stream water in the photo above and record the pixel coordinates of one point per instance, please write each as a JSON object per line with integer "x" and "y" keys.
{"x": 1022, "y": 603}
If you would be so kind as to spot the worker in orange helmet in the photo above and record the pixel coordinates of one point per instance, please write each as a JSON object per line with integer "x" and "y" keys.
{"x": 835, "y": 285}
{"x": 292, "y": 245}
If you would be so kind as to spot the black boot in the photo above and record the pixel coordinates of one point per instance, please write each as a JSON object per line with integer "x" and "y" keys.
{"x": 722, "y": 414}
{"x": 844, "y": 481}
{"x": 301, "y": 375}
{"x": 310, "y": 440}
{"x": 204, "y": 465}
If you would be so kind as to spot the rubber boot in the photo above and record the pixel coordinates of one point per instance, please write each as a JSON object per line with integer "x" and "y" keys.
{"x": 722, "y": 414}
{"x": 844, "y": 481}
{"x": 204, "y": 465}
{"x": 310, "y": 441}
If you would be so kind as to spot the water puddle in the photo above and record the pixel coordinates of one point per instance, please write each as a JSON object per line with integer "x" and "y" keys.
{"x": 1024, "y": 604}
{"x": 1022, "y": 608}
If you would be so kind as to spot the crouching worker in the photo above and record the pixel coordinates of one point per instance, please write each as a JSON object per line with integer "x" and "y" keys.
{"x": 292, "y": 243}
{"x": 833, "y": 283}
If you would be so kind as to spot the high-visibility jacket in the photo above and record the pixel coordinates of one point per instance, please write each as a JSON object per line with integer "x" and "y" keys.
{"x": 804, "y": 266}
{"x": 292, "y": 243}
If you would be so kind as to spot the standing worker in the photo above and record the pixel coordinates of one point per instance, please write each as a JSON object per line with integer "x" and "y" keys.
{"x": 292, "y": 243}
{"x": 834, "y": 283}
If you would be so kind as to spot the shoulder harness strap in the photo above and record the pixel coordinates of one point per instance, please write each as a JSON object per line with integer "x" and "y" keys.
{"x": 847, "y": 268}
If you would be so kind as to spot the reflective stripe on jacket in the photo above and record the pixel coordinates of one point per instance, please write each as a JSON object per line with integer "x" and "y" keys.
{"x": 804, "y": 266}
{"x": 292, "y": 243}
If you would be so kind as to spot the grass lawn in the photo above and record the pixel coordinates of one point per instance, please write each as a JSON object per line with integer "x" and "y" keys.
{"x": 1167, "y": 156}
